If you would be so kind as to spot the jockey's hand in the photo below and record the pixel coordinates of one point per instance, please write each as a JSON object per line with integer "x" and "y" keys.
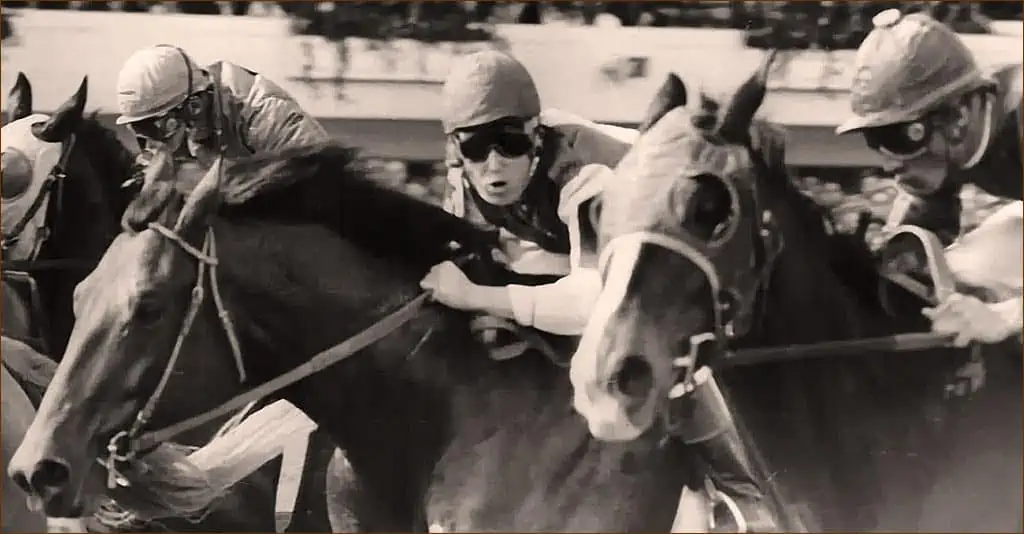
{"x": 450, "y": 286}
{"x": 970, "y": 319}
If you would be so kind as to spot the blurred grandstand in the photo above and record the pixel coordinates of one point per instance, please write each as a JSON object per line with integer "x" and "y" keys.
{"x": 829, "y": 25}
{"x": 788, "y": 25}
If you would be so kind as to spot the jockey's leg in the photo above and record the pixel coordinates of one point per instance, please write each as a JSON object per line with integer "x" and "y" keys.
{"x": 707, "y": 429}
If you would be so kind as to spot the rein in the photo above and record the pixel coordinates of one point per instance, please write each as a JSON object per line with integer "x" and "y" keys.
{"x": 125, "y": 445}
{"x": 723, "y": 332}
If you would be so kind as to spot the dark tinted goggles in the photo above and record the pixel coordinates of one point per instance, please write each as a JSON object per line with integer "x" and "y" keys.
{"x": 508, "y": 143}
{"x": 157, "y": 128}
{"x": 905, "y": 140}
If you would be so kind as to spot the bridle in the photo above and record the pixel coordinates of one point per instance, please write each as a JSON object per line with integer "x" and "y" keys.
{"x": 734, "y": 307}
{"x": 126, "y": 445}
{"x": 51, "y": 199}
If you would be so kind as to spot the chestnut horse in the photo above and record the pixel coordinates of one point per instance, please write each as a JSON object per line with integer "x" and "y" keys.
{"x": 701, "y": 256}
{"x": 81, "y": 216}
{"x": 303, "y": 251}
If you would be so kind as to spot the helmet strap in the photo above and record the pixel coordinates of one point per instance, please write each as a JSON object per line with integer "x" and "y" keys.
{"x": 986, "y": 134}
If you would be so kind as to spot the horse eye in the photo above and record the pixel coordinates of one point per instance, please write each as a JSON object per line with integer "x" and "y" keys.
{"x": 15, "y": 173}
{"x": 148, "y": 310}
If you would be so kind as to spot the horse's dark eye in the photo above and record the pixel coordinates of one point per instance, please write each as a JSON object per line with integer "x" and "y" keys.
{"x": 148, "y": 310}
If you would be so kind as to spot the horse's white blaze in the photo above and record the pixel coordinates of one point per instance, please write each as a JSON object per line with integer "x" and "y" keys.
{"x": 605, "y": 413}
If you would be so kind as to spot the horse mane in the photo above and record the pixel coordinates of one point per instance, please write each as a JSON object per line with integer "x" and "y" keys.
{"x": 846, "y": 255}
{"x": 328, "y": 185}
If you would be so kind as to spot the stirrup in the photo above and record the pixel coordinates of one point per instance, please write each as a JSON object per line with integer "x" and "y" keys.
{"x": 716, "y": 498}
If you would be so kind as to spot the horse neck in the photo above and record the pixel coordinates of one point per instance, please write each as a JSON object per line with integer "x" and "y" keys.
{"x": 290, "y": 305}
{"x": 85, "y": 221}
{"x": 805, "y": 300}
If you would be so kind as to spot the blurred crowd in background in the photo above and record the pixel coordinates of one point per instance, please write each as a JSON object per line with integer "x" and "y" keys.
{"x": 722, "y": 14}
{"x": 830, "y": 25}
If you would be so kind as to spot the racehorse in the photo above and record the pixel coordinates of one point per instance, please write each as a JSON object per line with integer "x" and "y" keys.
{"x": 79, "y": 205}
{"x": 704, "y": 260}
{"x": 304, "y": 251}
{"x": 82, "y": 216}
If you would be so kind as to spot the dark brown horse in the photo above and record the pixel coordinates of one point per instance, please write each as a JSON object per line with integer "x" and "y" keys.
{"x": 308, "y": 252}
{"x": 702, "y": 232}
{"x": 83, "y": 217}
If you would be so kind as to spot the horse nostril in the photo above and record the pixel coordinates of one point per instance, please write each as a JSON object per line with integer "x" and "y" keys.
{"x": 635, "y": 377}
{"x": 49, "y": 478}
{"x": 21, "y": 481}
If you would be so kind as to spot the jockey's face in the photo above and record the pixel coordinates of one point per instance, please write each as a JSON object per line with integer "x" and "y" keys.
{"x": 923, "y": 151}
{"x": 497, "y": 158}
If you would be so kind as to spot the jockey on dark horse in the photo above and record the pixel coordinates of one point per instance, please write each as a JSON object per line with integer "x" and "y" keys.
{"x": 921, "y": 101}
{"x": 200, "y": 113}
{"x": 531, "y": 175}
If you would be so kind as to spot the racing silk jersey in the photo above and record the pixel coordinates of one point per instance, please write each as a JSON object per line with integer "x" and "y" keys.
{"x": 549, "y": 232}
{"x": 998, "y": 172}
{"x": 253, "y": 115}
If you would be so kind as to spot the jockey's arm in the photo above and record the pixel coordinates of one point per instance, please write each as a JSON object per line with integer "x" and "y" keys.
{"x": 1012, "y": 315}
{"x": 562, "y": 307}
{"x": 277, "y": 123}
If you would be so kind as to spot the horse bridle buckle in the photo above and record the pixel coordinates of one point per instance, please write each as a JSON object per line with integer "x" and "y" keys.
{"x": 687, "y": 365}
{"x": 119, "y": 452}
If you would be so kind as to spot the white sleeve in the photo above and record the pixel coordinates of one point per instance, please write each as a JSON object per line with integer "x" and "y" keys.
{"x": 564, "y": 307}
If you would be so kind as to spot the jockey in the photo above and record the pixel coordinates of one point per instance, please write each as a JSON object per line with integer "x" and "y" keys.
{"x": 168, "y": 100}
{"x": 921, "y": 101}
{"x": 531, "y": 174}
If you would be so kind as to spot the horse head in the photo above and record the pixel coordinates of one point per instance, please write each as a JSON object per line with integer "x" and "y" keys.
{"x": 205, "y": 294}
{"x": 685, "y": 235}
{"x": 62, "y": 197}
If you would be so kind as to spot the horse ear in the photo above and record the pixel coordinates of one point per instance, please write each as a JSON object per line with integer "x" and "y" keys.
{"x": 736, "y": 120}
{"x": 671, "y": 95}
{"x": 65, "y": 121}
{"x": 19, "y": 102}
{"x": 202, "y": 203}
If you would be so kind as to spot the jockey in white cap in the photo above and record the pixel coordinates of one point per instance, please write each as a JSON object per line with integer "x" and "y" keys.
{"x": 921, "y": 101}
{"x": 533, "y": 176}
{"x": 170, "y": 101}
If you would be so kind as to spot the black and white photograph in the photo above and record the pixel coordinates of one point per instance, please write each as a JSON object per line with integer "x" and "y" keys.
{"x": 496, "y": 266}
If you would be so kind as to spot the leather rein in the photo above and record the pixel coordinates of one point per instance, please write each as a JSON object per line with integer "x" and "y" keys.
{"x": 127, "y": 444}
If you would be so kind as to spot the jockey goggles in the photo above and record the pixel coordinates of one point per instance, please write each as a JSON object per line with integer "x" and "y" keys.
{"x": 903, "y": 141}
{"x": 158, "y": 128}
{"x": 508, "y": 140}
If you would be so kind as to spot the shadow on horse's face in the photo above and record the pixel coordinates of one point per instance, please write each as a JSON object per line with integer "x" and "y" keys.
{"x": 128, "y": 311}
{"x": 678, "y": 228}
